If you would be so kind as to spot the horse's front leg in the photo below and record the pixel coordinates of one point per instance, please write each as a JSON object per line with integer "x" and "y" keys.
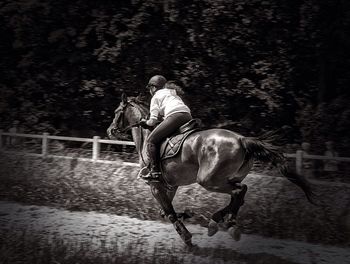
{"x": 182, "y": 215}
{"x": 160, "y": 193}
{"x": 171, "y": 194}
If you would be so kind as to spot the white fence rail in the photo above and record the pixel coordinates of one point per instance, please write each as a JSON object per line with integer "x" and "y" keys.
{"x": 300, "y": 157}
{"x": 96, "y": 141}
{"x": 45, "y": 139}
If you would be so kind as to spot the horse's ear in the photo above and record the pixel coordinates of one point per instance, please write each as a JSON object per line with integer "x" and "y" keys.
{"x": 124, "y": 98}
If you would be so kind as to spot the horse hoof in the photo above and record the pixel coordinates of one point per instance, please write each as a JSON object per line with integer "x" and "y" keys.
{"x": 185, "y": 215}
{"x": 213, "y": 228}
{"x": 227, "y": 224}
{"x": 188, "y": 213}
{"x": 191, "y": 247}
{"x": 162, "y": 213}
{"x": 235, "y": 233}
{"x": 188, "y": 243}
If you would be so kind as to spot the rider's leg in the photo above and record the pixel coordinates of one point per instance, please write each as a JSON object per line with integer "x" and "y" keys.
{"x": 163, "y": 130}
{"x": 153, "y": 153}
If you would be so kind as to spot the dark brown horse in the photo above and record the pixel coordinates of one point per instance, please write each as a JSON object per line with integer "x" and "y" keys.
{"x": 217, "y": 159}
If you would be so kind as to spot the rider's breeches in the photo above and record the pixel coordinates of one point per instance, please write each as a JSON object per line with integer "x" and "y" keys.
{"x": 166, "y": 128}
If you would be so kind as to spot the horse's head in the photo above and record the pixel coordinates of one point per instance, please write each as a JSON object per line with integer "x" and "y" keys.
{"x": 129, "y": 112}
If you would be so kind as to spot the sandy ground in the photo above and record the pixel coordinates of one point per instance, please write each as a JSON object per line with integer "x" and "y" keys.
{"x": 102, "y": 229}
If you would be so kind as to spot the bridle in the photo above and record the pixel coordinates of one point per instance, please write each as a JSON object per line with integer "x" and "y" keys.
{"x": 121, "y": 117}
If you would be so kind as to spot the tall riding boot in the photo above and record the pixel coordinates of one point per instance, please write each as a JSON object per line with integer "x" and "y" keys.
{"x": 154, "y": 173}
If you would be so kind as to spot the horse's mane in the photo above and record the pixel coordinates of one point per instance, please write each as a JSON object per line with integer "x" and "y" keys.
{"x": 141, "y": 99}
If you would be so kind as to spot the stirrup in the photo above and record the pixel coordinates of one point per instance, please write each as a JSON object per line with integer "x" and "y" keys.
{"x": 144, "y": 171}
{"x": 150, "y": 176}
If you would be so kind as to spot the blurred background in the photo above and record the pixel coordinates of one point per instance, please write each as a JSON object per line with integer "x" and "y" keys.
{"x": 253, "y": 65}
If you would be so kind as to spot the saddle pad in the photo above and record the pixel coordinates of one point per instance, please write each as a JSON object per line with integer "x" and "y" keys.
{"x": 171, "y": 146}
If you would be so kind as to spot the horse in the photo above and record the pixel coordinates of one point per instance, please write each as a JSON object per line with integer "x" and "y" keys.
{"x": 217, "y": 159}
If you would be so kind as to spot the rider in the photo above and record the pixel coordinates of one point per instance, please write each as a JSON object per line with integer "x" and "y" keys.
{"x": 167, "y": 106}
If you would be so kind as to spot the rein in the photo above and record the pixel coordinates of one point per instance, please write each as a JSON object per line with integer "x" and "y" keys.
{"x": 129, "y": 127}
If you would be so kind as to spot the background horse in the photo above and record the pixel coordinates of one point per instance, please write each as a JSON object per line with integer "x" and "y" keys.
{"x": 217, "y": 159}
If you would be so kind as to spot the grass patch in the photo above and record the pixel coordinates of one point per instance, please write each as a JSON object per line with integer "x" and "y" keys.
{"x": 22, "y": 247}
{"x": 26, "y": 248}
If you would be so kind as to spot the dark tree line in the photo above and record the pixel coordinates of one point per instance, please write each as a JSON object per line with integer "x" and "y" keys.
{"x": 250, "y": 65}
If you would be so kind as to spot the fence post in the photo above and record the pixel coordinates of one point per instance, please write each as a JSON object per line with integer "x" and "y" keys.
{"x": 95, "y": 148}
{"x": 45, "y": 145}
{"x": 1, "y": 131}
{"x": 299, "y": 161}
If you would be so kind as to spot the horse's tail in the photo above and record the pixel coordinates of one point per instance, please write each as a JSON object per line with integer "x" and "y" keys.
{"x": 262, "y": 149}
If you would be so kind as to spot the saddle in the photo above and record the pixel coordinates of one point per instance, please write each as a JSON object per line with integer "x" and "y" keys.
{"x": 172, "y": 145}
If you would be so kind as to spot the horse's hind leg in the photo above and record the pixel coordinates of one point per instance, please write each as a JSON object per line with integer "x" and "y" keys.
{"x": 160, "y": 193}
{"x": 237, "y": 200}
{"x": 228, "y": 214}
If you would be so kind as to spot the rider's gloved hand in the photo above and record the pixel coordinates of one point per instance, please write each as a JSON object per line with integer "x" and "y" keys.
{"x": 143, "y": 123}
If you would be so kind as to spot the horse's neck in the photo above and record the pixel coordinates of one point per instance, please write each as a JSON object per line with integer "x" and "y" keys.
{"x": 139, "y": 136}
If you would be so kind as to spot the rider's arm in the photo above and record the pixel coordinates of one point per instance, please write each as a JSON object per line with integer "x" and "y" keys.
{"x": 154, "y": 111}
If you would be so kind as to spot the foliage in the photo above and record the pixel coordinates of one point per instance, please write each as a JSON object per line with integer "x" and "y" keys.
{"x": 326, "y": 122}
{"x": 65, "y": 64}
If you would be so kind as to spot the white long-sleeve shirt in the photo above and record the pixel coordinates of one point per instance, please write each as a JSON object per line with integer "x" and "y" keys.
{"x": 166, "y": 102}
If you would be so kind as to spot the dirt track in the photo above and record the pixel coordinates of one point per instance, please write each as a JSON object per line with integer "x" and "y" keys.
{"x": 273, "y": 206}
{"x": 102, "y": 229}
